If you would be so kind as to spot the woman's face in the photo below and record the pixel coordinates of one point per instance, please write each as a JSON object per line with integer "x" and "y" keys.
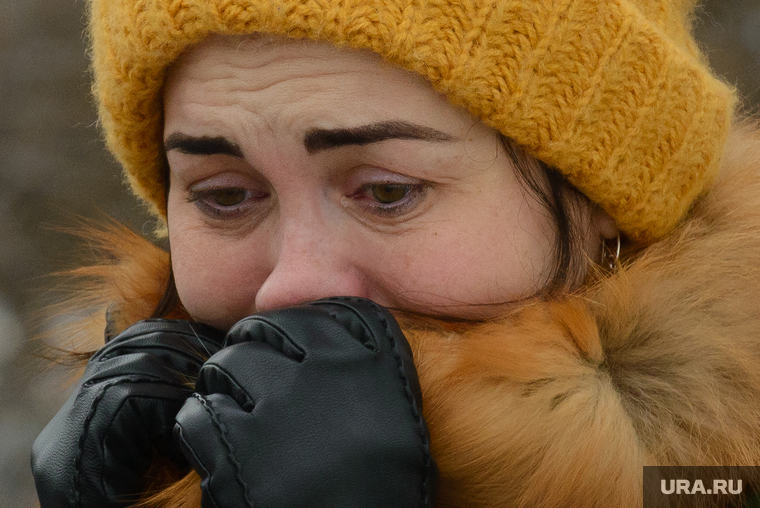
{"x": 300, "y": 171}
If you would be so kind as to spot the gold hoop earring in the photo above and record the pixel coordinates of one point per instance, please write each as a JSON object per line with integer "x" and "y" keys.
{"x": 611, "y": 256}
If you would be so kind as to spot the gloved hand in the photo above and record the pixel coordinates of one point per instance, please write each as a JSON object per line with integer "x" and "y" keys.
{"x": 95, "y": 451}
{"x": 317, "y": 405}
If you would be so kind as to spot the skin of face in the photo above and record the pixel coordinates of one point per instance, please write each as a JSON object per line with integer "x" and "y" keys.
{"x": 300, "y": 171}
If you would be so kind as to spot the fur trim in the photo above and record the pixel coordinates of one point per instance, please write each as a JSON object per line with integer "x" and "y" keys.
{"x": 658, "y": 364}
{"x": 123, "y": 285}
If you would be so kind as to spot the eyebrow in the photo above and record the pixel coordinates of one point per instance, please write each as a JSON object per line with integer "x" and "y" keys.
{"x": 322, "y": 139}
{"x": 203, "y": 145}
{"x": 315, "y": 140}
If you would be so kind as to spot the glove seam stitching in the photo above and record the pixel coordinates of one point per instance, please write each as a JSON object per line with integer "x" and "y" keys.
{"x": 217, "y": 422}
{"x": 415, "y": 411}
{"x": 188, "y": 349}
{"x": 76, "y": 494}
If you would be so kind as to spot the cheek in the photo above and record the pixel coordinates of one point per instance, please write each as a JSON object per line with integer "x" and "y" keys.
{"x": 217, "y": 281}
{"x": 503, "y": 260}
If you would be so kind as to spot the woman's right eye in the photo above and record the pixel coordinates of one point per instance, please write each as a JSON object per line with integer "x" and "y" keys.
{"x": 228, "y": 197}
{"x": 224, "y": 202}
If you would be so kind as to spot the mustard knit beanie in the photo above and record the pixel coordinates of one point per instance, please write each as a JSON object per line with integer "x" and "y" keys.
{"x": 614, "y": 94}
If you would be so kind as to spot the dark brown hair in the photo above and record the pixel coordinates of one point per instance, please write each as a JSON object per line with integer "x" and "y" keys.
{"x": 564, "y": 205}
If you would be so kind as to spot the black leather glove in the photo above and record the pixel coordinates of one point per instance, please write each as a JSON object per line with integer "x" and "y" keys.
{"x": 95, "y": 451}
{"x": 317, "y": 405}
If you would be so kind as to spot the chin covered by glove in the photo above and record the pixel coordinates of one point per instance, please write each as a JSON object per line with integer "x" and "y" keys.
{"x": 96, "y": 450}
{"x": 317, "y": 405}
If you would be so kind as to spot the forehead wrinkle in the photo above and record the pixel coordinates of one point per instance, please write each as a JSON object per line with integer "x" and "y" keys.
{"x": 278, "y": 88}
{"x": 296, "y": 79}
{"x": 246, "y": 61}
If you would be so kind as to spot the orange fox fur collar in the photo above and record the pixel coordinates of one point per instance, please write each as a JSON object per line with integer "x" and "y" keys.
{"x": 560, "y": 404}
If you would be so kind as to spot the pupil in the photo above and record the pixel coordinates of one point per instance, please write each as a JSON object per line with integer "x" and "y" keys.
{"x": 389, "y": 193}
{"x": 229, "y": 197}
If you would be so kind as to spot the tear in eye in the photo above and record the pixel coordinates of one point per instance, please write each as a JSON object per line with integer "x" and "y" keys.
{"x": 225, "y": 202}
{"x": 390, "y": 199}
{"x": 228, "y": 197}
{"x": 388, "y": 193}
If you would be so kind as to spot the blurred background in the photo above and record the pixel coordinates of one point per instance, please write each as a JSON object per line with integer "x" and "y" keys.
{"x": 53, "y": 168}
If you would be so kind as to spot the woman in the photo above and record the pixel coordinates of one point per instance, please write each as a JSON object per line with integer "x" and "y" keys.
{"x": 472, "y": 166}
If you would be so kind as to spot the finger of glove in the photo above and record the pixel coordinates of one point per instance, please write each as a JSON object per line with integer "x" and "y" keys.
{"x": 148, "y": 409}
{"x": 169, "y": 350}
{"x": 166, "y": 367}
{"x": 248, "y": 372}
{"x": 360, "y": 313}
{"x": 204, "y": 331}
{"x": 305, "y": 333}
{"x": 97, "y": 447}
{"x": 205, "y": 429}
{"x": 336, "y": 331}
{"x": 165, "y": 337}
{"x": 365, "y": 319}
{"x": 391, "y": 342}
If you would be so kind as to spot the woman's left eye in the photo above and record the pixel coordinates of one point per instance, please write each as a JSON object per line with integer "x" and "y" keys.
{"x": 390, "y": 199}
{"x": 388, "y": 193}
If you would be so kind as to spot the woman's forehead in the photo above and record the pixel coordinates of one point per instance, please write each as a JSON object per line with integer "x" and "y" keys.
{"x": 276, "y": 58}
{"x": 303, "y": 83}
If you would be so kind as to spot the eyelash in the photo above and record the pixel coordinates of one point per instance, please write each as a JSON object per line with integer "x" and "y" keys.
{"x": 413, "y": 193}
{"x": 203, "y": 199}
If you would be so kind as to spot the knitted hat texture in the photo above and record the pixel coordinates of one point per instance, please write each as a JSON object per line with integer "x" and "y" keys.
{"x": 614, "y": 94}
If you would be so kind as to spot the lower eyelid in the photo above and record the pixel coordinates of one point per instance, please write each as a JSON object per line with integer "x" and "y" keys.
{"x": 221, "y": 213}
{"x": 402, "y": 206}
{"x": 203, "y": 201}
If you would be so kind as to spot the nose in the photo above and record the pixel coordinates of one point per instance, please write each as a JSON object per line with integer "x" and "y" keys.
{"x": 310, "y": 263}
